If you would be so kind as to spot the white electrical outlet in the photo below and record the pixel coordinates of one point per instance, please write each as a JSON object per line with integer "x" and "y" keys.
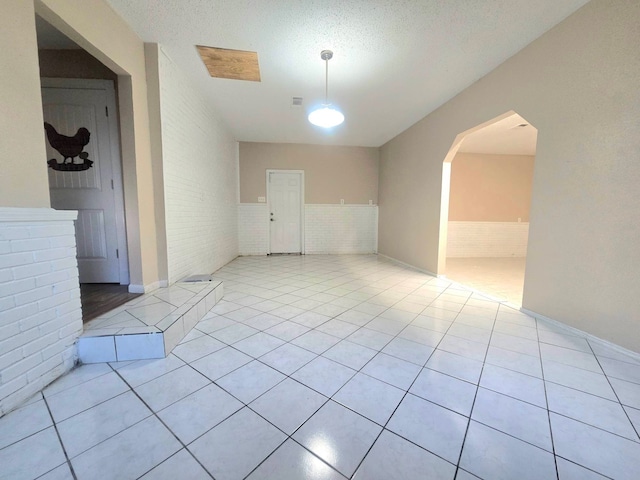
{"x": 342, "y": 201}
{"x": 262, "y": 199}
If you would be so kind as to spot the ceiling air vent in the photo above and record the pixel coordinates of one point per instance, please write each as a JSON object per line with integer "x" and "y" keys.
{"x": 296, "y": 101}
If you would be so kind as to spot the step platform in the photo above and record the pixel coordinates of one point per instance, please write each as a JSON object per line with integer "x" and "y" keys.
{"x": 149, "y": 326}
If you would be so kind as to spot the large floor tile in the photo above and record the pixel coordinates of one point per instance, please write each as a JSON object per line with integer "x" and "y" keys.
{"x": 234, "y": 333}
{"x": 463, "y": 347}
{"x": 407, "y": 350}
{"x": 514, "y": 384}
{"x": 570, "y": 471}
{"x": 220, "y": 363}
{"x": 78, "y": 375}
{"x": 180, "y": 465}
{"x": 447, "y": 391}
{"x": 489, "y": 453}
{"x": 370, "y": 338}
{"x": 288, "y": 405}
{"x": 338, "y": 328}
{"x": 141, "y": 371}
{"x": 451, "y": 364}
{"x": 292, "y": 462}
{"x": 316, "y": 341}
{"x": 392, "y": 370}
{"x": 25, "y": 421}
{"x": 350, "y": 354}
{"x": 258, "y": 344}
{"x": 287, "y": 330}
{"x": 519, "y": 362}
{"x": 288, "y": 358}
{"x": 81, "y": 397}
{"x": 129, "y": 454}
{"x": 63, "y": 472}
{"x": 86, "y": 429}
{"x": 167, "y": 389}
{"x": 324, "y": 375}
{"x": 250, "y": 381}
{"x": 513, "y": 417}
{"x": 430, "y": 426}
{"x": 338, "y": 436}
{"x": 601, "y": 451}
{"x": 394, "y": 458}
{"x": 372, "y": 398}
{"x": 198, "y": 412}
{"x": 578, "y": 378}
{"x": 234, "y": 448}
{"x": 197, "y": 348}
{"x": 590, "y": 409}
{"x": 31, "y": 457}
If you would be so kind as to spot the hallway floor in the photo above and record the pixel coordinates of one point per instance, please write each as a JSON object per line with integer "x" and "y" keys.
{"x": 501, "y": 278}
{"x": 333, "y": 367}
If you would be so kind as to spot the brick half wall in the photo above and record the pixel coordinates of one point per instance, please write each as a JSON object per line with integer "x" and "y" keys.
{"x": 40, "y": 310}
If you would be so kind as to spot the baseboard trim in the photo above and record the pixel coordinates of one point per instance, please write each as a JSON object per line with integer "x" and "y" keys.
{"x": 581, "y": 333}
{"x": 136, "y": 288}
{"x": 412, "y": 267}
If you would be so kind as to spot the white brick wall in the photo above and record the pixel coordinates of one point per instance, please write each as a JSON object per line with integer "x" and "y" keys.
{"x": 200, "y": 166}
{"x": 253, "y": 228}
{"x": 40, "y": 312}
{"x": 328, "y": 229}
{"x": 487, "y": 239}
{"x": 341, "y": 229}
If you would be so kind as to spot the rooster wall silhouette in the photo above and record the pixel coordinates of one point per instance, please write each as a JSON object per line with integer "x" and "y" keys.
{"x": 69, "y": 148}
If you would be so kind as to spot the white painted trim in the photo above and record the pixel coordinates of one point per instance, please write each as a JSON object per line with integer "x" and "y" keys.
{"x": 339, "y": 205}
{"x": 581, "y": 333}
{"x": 133, "y": 288}
{"x": 302, "y": 204}
{"x": 394, "y": 260}
{"x": 17, "y": 214}
{"x": 116, "y": 160}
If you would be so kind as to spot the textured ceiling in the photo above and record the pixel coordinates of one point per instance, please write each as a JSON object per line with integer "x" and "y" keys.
{"x": 394, "y": 61}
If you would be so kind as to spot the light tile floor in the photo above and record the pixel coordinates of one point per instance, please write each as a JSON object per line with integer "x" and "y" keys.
{"x": 502, "y": 278}
{"x": 341, "y": 367}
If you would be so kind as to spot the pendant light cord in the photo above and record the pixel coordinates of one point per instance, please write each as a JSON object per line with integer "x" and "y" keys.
{"x": 326, "y": 82}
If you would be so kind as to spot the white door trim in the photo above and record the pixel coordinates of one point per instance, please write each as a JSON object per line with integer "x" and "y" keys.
{"x": 116, "y": 162}
{"x": 267, "y": 219}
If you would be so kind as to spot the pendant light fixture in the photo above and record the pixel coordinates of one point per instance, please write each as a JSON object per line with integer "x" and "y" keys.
{"x": 326, "y": 116}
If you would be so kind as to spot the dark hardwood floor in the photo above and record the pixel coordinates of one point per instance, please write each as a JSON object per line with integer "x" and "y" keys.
{"x": 99, "y": 298}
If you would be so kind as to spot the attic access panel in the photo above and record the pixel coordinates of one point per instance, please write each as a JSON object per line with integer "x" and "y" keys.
{"x": 232, "y": 64}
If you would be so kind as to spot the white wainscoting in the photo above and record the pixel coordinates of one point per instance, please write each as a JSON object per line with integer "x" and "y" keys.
{"x": 487, "y": 239}
{"x": 329, "y": 229}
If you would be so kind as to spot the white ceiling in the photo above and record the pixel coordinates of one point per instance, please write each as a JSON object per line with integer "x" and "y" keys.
{"x": 505, "y": 137}
{"x": 394, "y": 61}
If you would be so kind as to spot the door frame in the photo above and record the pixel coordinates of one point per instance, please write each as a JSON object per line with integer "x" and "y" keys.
{"x": 116, "y": 160}
{"x": 298, "y": 172}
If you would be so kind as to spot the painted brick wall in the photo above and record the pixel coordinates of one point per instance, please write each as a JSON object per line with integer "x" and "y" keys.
{"x": 341, "y": 229}
{"x": 328, "y": 229}
{"x": 487, "y": 239}
{"x": 253, "y": 229}
{"x": 40, "y": 312}
{"x": 200, "y": 163}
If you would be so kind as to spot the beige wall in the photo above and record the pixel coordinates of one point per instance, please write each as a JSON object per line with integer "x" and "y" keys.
{"x": 95, "y": 27}
{"x": 72, "y": 64}
{"x": 23, "y": 181}
{"x": 331, "y": 173}
{"x": 578, "y": 84}
{"x": 490, "y": 188}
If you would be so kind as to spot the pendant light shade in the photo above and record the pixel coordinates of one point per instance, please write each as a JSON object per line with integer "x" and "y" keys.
{"x": 326, "y": 116}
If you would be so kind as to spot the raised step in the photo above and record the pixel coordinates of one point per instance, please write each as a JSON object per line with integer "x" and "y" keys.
{"x": 149, "y": 326}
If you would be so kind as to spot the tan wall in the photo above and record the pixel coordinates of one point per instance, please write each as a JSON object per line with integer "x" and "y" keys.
{"x": 23, "y": 177}
{"x": 95, "y": 27}
{"x": 72, "y": 64}
{"x": 490, "y": 188}
{"x": 578, "y": 84}
{"x": 331, "y": 173}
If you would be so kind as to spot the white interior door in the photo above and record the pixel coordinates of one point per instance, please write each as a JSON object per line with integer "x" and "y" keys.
{"x": 90, "y": 191}
{"x": 285, "y": 212}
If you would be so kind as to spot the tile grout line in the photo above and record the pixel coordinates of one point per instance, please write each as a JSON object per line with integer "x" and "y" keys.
{"x": 64, "y": 450}
{"x": 154, "y": 414}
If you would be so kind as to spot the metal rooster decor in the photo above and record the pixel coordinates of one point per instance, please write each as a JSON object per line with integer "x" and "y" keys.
{"x": 69, "y": 148}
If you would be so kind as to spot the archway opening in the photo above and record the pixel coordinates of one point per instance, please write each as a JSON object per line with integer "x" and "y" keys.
{"x": 488, "y": 177}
